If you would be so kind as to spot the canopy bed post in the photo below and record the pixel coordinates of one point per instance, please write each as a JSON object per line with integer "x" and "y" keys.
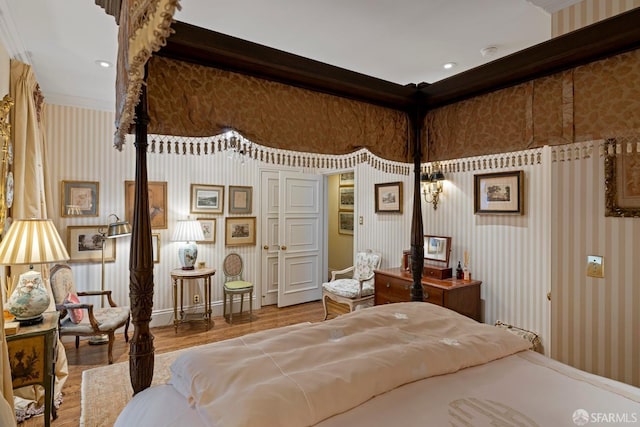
{"x": 141, "y": 351}
{"x": 417, "y": 235}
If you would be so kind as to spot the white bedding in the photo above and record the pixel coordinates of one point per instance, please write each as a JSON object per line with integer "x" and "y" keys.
{"x": 524, "y": 387}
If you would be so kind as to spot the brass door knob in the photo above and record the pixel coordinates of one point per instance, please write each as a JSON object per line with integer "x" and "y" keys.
{"x": 265, "y": 247}
{"x": 283, "y": 247}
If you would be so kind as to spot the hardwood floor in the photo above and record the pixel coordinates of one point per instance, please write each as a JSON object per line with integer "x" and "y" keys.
{"x": 165, "y": 340}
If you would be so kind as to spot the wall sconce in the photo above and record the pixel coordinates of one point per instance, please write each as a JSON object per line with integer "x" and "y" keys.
{"x": 432, "y": 185}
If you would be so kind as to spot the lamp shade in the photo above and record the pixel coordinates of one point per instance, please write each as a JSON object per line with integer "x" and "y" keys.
{"x": 437, "y": 176}
{"x": 32, "y": 241}
{"x": 188, "y": 231}
{"x": 118, "y": 229}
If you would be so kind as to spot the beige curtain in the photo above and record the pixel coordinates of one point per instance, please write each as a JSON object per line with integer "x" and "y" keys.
{"x": 31, "y": 201}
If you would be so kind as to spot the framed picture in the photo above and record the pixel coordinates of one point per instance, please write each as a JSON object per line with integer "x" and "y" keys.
{"x": 621, "y": 175}
{"x": 240, "y": 231}
{"x": 157, "y": 202}
{"x": 208, "y": 229}
{"x": 346, "y": 178}
{"x": 347, "y": 199}
{"x": 240, "y": 199}
{"x": 207, "y": 198}
{"x": 499, "y": 193}
{"x": 345, "y": 223}
{"x": 388, "y": 197}
{"x": 80, "y": 198}
{"x": 155, "y": 244}
{"x": 437, "y": 248}
{"x": 84, "y": 243}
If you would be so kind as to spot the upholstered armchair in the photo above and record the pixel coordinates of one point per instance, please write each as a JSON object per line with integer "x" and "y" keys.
{"x": 357, "y": 291}
{"x": 82, "y": 320}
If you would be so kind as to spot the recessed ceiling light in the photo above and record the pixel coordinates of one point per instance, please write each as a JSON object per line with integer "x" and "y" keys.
{"x": 449, "y": 65}
{"x": 103, "y": 63}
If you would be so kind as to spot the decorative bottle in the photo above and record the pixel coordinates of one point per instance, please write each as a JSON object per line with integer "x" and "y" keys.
{"x": 459, "y": 272}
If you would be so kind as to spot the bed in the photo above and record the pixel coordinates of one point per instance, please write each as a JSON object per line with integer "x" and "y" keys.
{"x": 407, "y": 363}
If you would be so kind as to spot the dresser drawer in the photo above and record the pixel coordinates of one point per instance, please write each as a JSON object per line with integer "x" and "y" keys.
{"x": 390, "y": 289}
{"x": 433, "y": 295}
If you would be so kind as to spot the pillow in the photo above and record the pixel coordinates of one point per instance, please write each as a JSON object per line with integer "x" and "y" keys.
{"x": 532, "y": 337}
{"x": 75, "y": 314}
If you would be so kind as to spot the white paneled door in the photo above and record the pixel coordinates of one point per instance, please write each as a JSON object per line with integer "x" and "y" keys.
{"x": 292, "y": 239}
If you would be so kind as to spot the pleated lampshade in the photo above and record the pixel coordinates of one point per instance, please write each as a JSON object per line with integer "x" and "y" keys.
{"x": 32, "y": 241}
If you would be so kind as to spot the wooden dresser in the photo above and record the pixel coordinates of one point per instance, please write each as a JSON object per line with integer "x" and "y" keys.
{"x": 394, "y": 285}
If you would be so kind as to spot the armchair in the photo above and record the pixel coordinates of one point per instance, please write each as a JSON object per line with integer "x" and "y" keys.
{"x": 357, "y": 291}
{"x": 97, "y": 321}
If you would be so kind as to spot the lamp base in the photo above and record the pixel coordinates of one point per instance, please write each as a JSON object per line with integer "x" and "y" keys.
{"x": 26, "y": 321}
{"x": 189, "y": 268}
{"x": 99, "y": 339}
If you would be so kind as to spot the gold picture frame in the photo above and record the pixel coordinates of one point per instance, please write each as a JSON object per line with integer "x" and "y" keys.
{"x": 240, "y": 231}
{"x": 621, "y": 181}
{"x": 84, "y": 243}
{"x": 345, "y": 223}
{"x": 207, "y": 199}
{"x": 209, "y": 226}
{"x": 157, "y": 202}
{"x": 155, "y": 245}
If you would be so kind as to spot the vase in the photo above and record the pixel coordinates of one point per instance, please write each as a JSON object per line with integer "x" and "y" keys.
{"x": 29, "y": 299}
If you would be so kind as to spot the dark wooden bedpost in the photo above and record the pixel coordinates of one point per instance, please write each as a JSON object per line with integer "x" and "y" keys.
{"x": 141, "y": 351}
{"x": 417, "y": 234}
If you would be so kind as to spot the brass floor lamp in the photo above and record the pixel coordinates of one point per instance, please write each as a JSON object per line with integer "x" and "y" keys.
{"x": 114, "y": 230}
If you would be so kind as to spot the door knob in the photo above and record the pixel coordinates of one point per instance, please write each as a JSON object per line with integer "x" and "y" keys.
{"x": 265, "y": 247}
{"x": 283, "y": 247}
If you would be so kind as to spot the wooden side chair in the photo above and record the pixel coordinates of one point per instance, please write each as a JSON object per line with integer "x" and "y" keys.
{"x": 82, "y": 320}
{"x": 234, "y": 284}
{"x": 357, "y": 291}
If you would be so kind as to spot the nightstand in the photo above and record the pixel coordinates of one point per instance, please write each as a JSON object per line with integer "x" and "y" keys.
{"x": 32, "y": 357}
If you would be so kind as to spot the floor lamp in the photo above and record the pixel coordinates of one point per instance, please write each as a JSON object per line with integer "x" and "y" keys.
{"x": 114, "y": 230}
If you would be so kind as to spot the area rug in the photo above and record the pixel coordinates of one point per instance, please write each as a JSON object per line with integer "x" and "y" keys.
{"x": 107, "y": 389}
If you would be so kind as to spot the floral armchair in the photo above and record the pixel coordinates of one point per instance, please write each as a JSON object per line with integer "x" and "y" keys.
{"x": 357, "y": 291}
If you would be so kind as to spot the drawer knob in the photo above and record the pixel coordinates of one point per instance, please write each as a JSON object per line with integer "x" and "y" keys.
{"x": 426, "y": 295}
{"x": 388, "y": 285}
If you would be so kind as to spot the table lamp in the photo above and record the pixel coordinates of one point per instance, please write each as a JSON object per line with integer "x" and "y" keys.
{"x": 188, "y": 230}
{"x": 29, "y": 242}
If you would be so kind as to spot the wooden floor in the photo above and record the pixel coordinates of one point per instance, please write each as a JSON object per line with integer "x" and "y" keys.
{"x": 165, "y": 340}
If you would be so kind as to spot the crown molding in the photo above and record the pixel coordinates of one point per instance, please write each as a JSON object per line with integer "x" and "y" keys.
{"x": 9, "y": 35}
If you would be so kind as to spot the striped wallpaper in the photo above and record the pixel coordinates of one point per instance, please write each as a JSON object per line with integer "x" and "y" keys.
{"x": 590, "y": 323}
{"x": 587, "y": 12}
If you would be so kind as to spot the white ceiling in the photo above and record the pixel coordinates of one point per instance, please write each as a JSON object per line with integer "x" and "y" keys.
{"x": 403, "y": 41}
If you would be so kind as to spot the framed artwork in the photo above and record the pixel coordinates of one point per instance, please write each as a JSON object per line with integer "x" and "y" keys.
{"x": 208, "y": 229}
{"x": 207, "y": 198}
{"x": 155, "y": 244}
{"x": 388, "y": 197}
{"x": 347, "y": 199}
{"x": 84, "y": 243}
{"x": 240, "y": 231}
{"x": 437, "y": 248}
{"x": 346, "y": 178}
{"x": 345, "y": 223}
{"x": 240, "y": 199}
{"x": 499, "y": 193}
{"x": 157, "y": 202}
{"x": 80, "y": 198}
{"x": 621, "y": 182}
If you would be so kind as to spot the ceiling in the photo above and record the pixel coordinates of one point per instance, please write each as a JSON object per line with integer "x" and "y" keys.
{"x": 408, "y": 44}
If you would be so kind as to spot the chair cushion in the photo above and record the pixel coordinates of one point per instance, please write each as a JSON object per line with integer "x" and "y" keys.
{"x": 348, "y": 288}
{"x": 75, "y": 314}
{"x": 238, "y": 284}
{"x": 109, "y": 319}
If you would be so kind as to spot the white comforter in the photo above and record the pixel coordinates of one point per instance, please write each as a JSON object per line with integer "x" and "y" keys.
{"x": 298, "y": 376}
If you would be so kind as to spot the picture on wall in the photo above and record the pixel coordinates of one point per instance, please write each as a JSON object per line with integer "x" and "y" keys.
{"x": 388, "y": 197}
{"x": 347, "y": 199}
{"x": 155, "y": 244}
{"x": 499, "y": 193}
{"x": 208, "y": 229}
{"x": 84, "y": 243}
{"x": 240, "y": 231}
{"x": 347, "y": 178}
{"x": 622, "y": 182}
{"x": 207, "y": 198}
{"x": 240, "y": 199}
{"x": 345, "y": 223}
{"x": 157, "y": 202}
{"x": 80, "y": 198}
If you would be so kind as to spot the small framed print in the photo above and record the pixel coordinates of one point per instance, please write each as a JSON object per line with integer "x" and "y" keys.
{"x": 345, "y": 223}
{"x": 80, "y": 198}
{"x": 240, "y": 199}
{"x": 84, "y": 243}
{"x": 388, "y": 197}
{"x": 208, "y": 229}
{"x": 347, "y": 199}
{"x": 207, "y": 198}
{"x": 499, "y": 193}
{"x": 240, "y": 231}
{"x": 155, "y": 244}
{"x": 347, "y": 178}
{"x": 157, "y": 202}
